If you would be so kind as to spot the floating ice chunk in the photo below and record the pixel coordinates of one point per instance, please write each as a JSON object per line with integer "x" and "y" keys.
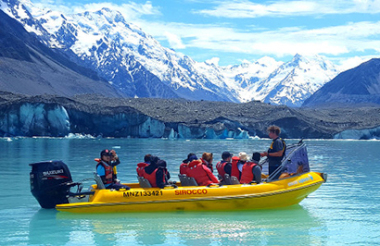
{"x": 79, "y": 136}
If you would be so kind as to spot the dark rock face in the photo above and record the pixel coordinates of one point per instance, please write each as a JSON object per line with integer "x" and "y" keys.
{"x": 174, "y": 118}
{"x": 360, "y": 85}
{"x": 29, "y": 67}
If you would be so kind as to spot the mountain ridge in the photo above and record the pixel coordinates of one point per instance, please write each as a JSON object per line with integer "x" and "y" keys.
{"x": 359, "y": 85}
{"x": 124, "y": 55}
{"x": 27, "y": 66}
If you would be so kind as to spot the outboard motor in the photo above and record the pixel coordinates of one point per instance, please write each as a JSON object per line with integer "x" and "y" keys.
{"x": 50, "y": 183}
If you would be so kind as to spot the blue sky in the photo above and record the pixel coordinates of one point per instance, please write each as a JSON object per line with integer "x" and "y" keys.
{"x": 229, "y": 32}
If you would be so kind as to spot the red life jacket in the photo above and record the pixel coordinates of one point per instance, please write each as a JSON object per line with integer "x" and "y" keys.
{"x": 220, "y": 167}
{"x": 183, "y": 168}
{"x": 234, "y": 167}
{"x": 207, "y": 164}
{"x": 247, "y": 174}
{"x": 140, "y": 168}
{"x": 151, "y": 177}
{"x": 202, "y": 174}
{"x": 109, "y": 176}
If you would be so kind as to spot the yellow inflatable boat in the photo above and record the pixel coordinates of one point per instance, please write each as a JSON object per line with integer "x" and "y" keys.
{"x": 275, "y": 194}
{"x": 51, "y": 183}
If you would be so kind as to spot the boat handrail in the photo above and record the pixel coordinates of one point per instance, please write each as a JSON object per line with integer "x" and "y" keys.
{"x": 286, "y": 158}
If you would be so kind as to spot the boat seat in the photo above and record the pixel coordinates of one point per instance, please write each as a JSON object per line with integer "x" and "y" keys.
{"x": 183, "y": 179}
{"x": 226, "y": 179}
{"x": 187, "y": 181}
{"x": 191, "y": 181}
{"x": 99, "y": 182}
{"x": 230, "y": 180}
{"x": 234, "y": 180}
{"x": 144, "y": 183}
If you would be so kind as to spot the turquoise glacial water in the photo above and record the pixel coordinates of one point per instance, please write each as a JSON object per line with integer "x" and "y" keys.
{"x": 343, "y": 211}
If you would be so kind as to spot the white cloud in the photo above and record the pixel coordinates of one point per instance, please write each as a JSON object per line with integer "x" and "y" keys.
{"x": 248, "y": 9}
{"x": 214, "y": 60}
{"x": 175, "y": 41}
{"x": 337, "y": 40}
{"x": 132, "y": 11}
{"x": 352, "y": 62}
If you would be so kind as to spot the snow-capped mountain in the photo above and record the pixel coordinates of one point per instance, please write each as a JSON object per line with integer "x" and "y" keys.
{"x": 137, "y": 65}
{"x": 293, "y": 82}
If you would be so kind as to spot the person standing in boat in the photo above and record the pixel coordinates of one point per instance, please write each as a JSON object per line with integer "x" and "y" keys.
{"x": 276, "y": 150}
{"x": 106, "y": 169}
{"x": 142, "y": 165}
{"x": 251, "y": 171}
{"x": 156, "y": 173}
{"x": 224, "y": 166}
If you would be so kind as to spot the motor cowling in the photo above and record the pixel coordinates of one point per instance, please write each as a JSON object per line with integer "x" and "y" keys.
{"x": 50, "y": 183}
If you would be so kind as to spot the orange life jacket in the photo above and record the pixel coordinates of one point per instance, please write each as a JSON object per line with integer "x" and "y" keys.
{"x": 247, "y": 174}
{"x": 202, "y": 174}
{"x": 140, "y": 168}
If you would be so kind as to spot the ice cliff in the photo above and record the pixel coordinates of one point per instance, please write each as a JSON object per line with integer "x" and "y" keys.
{"x": 176, "y": 119}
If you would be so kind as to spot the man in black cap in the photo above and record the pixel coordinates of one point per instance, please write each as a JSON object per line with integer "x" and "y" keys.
{"x": 106, "y": 169}
{"x": 224, "y": 166}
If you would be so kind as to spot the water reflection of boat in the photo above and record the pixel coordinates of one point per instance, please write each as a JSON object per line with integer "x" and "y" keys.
{"x": 293, "y": 223}
{"x": 269, "y": 194}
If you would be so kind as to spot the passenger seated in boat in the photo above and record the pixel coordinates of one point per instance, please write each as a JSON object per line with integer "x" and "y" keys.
{"x": 207, "y": 159}
{"x": 235, "y": 164}
{"x": 183, "y": 167}
{"x": 251, "y": 171}
{"x": 141, "y": 165}
{"x": 105, "y": 169}
{"x": 243, "y": 158}
{"x": 201, "y": 173}
{"x": 224, "y": 166}
{"x": 156, "y": 173}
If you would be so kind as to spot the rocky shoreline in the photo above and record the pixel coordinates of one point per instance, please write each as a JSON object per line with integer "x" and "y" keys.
{"x": 177, "y": 118}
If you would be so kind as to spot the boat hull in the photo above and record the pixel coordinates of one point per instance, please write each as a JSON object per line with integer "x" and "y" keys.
{"x": 275, "y": 194}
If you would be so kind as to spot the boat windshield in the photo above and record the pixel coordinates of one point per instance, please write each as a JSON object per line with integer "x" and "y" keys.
{"x": 295, "y": 161}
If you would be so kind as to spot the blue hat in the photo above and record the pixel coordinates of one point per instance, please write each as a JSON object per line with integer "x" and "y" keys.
{"x": 192, "y": 158}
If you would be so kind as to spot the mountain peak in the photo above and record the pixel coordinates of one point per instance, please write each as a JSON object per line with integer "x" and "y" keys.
{"x": 138, "y": 65}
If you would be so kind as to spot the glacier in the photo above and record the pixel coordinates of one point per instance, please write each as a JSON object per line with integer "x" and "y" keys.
{"x": 51, "y": 120}
{"x": 373, "y": 133}
{"x": 35, "y": 120}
